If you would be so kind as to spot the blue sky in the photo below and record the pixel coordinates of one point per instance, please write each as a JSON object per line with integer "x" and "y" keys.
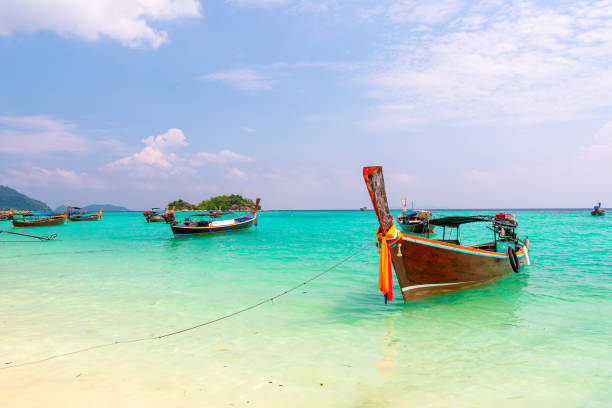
{"x": 465, "y": 104}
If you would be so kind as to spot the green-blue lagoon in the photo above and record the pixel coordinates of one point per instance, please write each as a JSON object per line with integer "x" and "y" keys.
{"x": 539, "y": 338}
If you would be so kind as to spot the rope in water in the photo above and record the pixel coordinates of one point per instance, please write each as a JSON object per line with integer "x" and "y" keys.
{"x": 43, "y": 238}
{"x": 337, "y": 264}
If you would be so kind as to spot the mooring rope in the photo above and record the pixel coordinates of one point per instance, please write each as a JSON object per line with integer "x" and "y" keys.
{"x": 226, "y": 316}
{"x": 43, "y": 238}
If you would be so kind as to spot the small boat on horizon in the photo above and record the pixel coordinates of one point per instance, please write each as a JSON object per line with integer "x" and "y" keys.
{"x": 84, "y": 216}
{"x": 42, "y": 219}
{"x": 204, "y": 223}
{"x": 427, "y": 267}
{"x": 598, "y": 211}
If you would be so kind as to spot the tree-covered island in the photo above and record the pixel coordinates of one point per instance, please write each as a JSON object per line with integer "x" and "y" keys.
{"x": 234, "y": 202}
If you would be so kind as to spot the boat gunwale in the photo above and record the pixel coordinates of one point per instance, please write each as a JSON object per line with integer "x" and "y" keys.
{"x": 461, "y": 248}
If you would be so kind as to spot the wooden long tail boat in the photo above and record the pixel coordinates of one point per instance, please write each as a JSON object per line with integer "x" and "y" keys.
{"x": 153, "y": 211}
{"x": 199, "y": 226}
{"x": 29, "y": 220}
{"x": 6, "y": 215}
{"x": 427, "y": 267}
{"x": 85, "y": 216}
{"x": 166, "y": 216}
{"x": 415, "y": 222}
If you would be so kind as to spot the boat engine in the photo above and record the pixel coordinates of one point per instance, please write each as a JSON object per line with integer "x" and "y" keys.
{"x": 504, "y": 226}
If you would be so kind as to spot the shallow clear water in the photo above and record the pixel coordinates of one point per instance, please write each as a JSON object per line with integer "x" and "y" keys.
{"x": 539, "y": 338}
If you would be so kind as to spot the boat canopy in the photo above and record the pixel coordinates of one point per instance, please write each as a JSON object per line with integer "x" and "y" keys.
{"x": 457, "y": 220}
{"x": 409, "y": 213}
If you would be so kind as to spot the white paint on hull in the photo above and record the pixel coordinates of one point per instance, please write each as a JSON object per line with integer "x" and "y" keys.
{"x": 407, "y": 288}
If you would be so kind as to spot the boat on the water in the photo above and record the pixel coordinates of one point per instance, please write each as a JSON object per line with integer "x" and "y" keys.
{"x": 427, "y": 267}
{"x": 153, "y": 211}
{"x": 40, "y": 219}
{"x": 166, "y": 216}
{"x": 205, "y": 223}
{"x": 415, "y": 222}
{"x": 84, "y": 216}
{"x": 598, "y": 211}
{"x": 6, "y": 215}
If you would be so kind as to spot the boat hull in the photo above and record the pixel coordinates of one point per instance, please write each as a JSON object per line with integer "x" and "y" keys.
{"x": 94, "y": 217}
{"x": 39, "y": 223}
{"x": 416, "y": 228}
{"x": 433, "y": 267}
{"x": 599, "y": 213}
{"x": 179, "y": 230}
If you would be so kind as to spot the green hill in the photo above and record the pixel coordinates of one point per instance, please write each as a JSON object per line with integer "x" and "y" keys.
{"x": 225, "y": 202}
{"x": 10, "y": 198}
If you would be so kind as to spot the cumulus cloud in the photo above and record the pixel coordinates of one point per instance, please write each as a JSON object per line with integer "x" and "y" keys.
{"x": 242, "y": 79}
{"x": 238, "y": 173}
{"x": 519, "y": 63}
{"x": 127, "y": 21}
{"x": 38, "y": 134}
{"x": 161, "y": 157}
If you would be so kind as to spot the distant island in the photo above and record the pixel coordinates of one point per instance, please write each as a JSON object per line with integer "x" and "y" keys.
{"x": 225, "y": 202}
{"x": 96, "y": 207}
{"x": 11, "y": 198}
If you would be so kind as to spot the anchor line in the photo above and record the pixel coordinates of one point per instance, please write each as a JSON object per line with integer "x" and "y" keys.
{"x": 226, "y": 316}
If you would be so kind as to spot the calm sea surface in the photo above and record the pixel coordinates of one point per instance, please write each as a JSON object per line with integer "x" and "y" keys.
{"x": 540, "y": 338}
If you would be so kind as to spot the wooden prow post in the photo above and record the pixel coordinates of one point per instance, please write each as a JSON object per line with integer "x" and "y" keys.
{"x": 375, "y": 182}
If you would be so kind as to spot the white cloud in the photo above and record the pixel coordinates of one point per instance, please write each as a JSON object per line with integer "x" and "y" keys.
{"x": 160, "y": 157}
{"x": 127, "y": 21}
{"x": 241, "y": 79}
{"x": 39, "y": 176}
{"x": 248, "y": 129}
{"x": 38, "y": 134}
{"x": 522, "y": 64}
{"x": 221, "y": 157}
{"x": 158, "y": 151}
{"x": 423, "y": 12}
{"x": 238, "y": 173}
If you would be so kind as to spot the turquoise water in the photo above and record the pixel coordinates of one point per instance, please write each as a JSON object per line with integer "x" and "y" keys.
{"x": 539, "y": 338}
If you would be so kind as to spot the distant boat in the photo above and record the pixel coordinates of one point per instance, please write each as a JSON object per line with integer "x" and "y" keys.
{"x": 201, "y": 224}
{"x": 166, "y": 216}
{"x": 85, "y": 216}
{"x": 597, "y": 210}
{"x": 415, "y": 222}
{"x": 427, "y": 267}
{"x": 6, "y": 215}
{"x": 40, "y": 220}
{"x": 363, "y": 208}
